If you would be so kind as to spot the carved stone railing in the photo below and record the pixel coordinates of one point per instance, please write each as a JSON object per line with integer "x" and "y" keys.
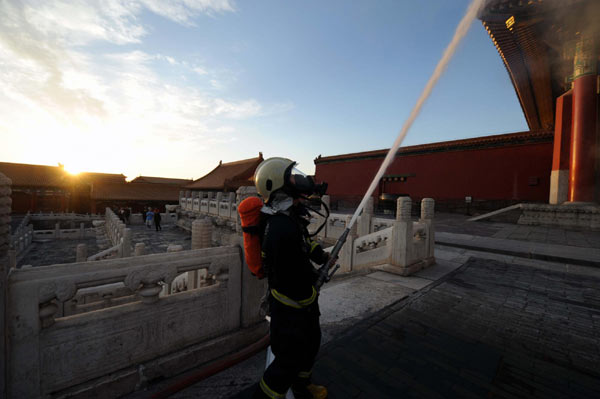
{"x": 20, "y": 241}
{"x": 221, "y": 204}
{"x": 113, "y": 234}
{"x": 404, "y": 247}
{"x": 58, "y": 348}
{"x": 66, "y": 234}
{"x": 64, "y": 217}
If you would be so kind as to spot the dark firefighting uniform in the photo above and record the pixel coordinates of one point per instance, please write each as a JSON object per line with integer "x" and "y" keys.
{"x": 295, "y": 332}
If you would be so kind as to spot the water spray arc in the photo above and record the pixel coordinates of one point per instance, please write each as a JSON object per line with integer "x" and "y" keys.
{"x": 459, "y": 34}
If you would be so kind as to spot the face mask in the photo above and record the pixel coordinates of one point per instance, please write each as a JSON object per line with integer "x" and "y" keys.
{"x": 300, "y": 185}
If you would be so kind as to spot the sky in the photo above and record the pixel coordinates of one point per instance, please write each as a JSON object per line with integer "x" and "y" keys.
{"x": 157, "y": 88}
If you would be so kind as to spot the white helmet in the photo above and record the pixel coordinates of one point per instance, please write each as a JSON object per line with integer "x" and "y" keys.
{"x": 270, "y": 176}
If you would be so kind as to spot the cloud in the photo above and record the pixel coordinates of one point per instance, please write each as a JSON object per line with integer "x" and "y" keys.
{"x": 116, "y": 105}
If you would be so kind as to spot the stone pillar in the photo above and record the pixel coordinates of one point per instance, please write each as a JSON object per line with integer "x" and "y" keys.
{"x": 347, "y": 252}
{"x": 181, "y": 198}
{"x": 201, "y": 238}
{"x": 30, "y": 237}
{"x": 364, "y": 222}
{"x": 81, "y": 230}
{"x": 583, "y": 162}
{"x": 195, "y": 196}
{"x": 140, "y": 249}
{"x": 559, "y": 177}
{"x": 81, "y": 254}
{"x": 5, "y": 209}
{"x": 219, "y": 197}
{"x": 12, "y": 259}
{"x": 126, "y": 243}
{"x": 402, "y": 233}
{"x": 427, "y": 213}
{"x": 57, "y": 230}
{"x": 231, "y": 197}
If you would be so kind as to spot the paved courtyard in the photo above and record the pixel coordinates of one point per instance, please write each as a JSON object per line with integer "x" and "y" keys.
{"x": 491, "y": 329}
{"x": 49, "y": 252}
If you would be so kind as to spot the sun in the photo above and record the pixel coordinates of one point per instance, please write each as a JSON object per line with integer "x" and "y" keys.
{"x": 73, "y": 170}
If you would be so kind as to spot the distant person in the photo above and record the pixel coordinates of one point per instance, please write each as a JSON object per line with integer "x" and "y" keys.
{"x": 149, "y": 217}
{"x": 126, "y": 214}
{"x": 157, "y": 219}
{"x": 143, "y": 215}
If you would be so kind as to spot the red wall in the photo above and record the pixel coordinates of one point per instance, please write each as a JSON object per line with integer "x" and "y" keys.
{"x": 491, "y": 173}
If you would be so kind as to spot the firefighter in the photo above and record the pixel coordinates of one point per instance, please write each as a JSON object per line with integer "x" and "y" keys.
{"x": 287, "y": 252}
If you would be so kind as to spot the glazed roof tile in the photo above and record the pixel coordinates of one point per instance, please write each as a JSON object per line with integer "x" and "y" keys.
{"x": 161, "y": 180}
{"x": 228, "y": 176}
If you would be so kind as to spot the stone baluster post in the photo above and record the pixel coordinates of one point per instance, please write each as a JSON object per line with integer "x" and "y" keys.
{"x": 202, "y": 231}
{"x": 181, "y": 198}
{"x": 5, "y": 209}
{"x": 126, "y": 243}
{"x": 195, "y": 196}
{"x": 140, "y": 249}
{"x": 82, "y": 230}
{"x": 427, "y": 213}
{"x": 364, "y": 222}
{"x": 57, "y": 230}
{"x": 346, "y": 254}
{"x": 167, "y": 288}
{"x": 30, "y": 228}
{"x": 402, "y": 233}
{"x": 12, "y": 258}
{"x": 81, "y": 254}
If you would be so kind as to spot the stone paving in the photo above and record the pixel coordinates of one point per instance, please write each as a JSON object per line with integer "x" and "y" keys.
{"x": 455, "y": 223}
{"x": 50, "y": 252}
{"x": 491, "y": 329}
{"x": 158, "y": 241}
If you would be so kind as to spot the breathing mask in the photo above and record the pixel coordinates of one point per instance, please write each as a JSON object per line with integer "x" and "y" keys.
{"x": 299, "y": 185}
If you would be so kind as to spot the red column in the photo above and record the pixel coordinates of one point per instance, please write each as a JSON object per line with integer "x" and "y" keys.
{"x": 582, "y": 161}
{"x": 583, "y": 140}
{"x": 559, "y": 178}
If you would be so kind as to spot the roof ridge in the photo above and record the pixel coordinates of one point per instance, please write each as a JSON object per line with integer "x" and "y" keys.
{"x": 439, "y": 144}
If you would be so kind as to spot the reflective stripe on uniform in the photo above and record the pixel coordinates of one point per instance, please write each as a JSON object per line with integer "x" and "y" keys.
{"x": 313, "y": 245}
{"x": 269, "y": 392}
{"x": 305, "y": 374}
{"x": 295, "y": 304}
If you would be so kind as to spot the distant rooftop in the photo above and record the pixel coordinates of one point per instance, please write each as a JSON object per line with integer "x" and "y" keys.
{"x": 498, "y": 140}
{"x": 94, "y": 177}
{"x": 228, "y": 176}
{"x": 161, "y": 180}
{"x": 135, "y": 191}
{"x": 28, "y": 175}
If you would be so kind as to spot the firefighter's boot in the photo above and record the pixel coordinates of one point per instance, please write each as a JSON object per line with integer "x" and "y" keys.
{"x": 310, "y": 391}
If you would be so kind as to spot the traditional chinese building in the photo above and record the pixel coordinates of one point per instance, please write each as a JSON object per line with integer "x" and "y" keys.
{"x": 493, "y": 170}
{"x": 227, "y": 177}
{"x": 43, "y": 188}
{"x": 38, "y": 187}
{"x": 551, "y": 50}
